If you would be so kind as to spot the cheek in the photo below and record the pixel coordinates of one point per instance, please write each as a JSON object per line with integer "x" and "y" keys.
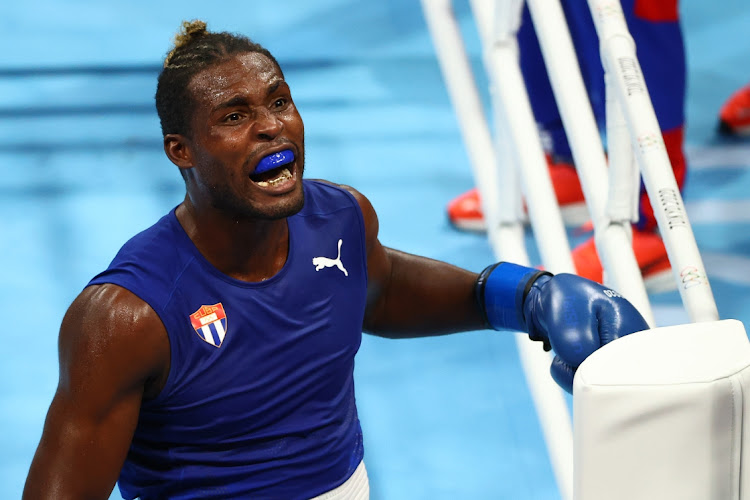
{"x": 295, "y": 125}
{"x": 228, "y": 153}
{"x": 225, "y": 143}
{"x": 293, "y": 119}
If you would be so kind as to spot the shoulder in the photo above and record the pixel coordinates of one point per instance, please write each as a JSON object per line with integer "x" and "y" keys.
{"x": 150, "y": 263}
{"x": 108, "y": 303}
{"x": 369, "y": 216}
{"x": 354, "y": 195}
{"x": 322, "y": 195}
{"x": 160, "y": 242}
{"x": 111, "y": 331}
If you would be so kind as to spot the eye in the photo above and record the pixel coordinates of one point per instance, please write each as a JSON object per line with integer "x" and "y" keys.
{"x": 232, "y": 117}
{"x": 280, "y": 102}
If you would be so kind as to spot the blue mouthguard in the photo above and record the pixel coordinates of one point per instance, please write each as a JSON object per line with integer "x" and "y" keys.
{"x": 274, "y": 160}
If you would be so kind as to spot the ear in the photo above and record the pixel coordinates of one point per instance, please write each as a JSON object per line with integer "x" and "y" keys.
{"x": 178, "y": 150}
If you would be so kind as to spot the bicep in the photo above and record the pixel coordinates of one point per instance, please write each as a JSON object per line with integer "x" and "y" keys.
{"x": 109, "y": 349}
{"x": 410, "y": 295}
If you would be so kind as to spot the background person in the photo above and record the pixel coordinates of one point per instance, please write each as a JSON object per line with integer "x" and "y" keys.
{"x": 655, "y": 28}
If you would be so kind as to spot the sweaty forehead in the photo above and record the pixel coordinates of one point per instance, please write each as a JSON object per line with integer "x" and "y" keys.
{"x": 249, "y": 72}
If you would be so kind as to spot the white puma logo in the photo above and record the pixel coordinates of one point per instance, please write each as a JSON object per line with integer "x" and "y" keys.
{"x": 321, "y": 262}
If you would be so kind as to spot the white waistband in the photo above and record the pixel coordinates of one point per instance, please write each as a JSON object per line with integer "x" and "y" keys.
{"x": 357, "y": 487}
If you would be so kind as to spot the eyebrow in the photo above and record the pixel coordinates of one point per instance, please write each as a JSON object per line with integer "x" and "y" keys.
{"x": 231, "y": 103}
{"x": 274, "y": 87}
{"x": 242, "y": 101}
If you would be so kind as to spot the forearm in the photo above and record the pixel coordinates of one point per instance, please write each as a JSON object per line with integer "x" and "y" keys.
{"x": 423, "y": 297}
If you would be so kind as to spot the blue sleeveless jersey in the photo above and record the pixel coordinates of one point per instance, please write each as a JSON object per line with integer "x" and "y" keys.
{"x": 259, "y": 402}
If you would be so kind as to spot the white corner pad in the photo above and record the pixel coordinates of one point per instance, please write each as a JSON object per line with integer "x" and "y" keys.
{"x": 659, "y": 414}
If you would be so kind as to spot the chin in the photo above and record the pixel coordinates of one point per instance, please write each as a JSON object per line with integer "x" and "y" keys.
{"x": 281, "y": 209}
{"x": 266, "y": 208}
{"x": 288, "y": 209}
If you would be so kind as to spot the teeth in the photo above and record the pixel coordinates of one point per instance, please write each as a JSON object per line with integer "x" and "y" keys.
{"x": 283, "y": 175}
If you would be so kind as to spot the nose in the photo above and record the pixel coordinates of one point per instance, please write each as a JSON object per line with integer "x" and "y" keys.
{"x": 267, "y": 125}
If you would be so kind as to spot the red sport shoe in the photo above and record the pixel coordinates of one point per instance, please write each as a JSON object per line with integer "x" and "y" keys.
{"x": 650, "y": 254}
{"x": 465, "y": 211}
{"x": 734, "y": 116}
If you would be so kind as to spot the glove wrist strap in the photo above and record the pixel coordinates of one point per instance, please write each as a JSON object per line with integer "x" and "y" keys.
{"x": 500, "y": 292}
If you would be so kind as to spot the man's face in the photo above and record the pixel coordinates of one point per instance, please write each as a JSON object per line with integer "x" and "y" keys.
{"x": 243, "y": 111}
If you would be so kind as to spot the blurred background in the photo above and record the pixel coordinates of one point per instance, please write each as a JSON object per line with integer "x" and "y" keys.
{"x": 82, "y": 169}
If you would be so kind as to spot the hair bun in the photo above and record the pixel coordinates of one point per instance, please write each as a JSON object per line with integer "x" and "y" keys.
{"x": 191, "y": 30}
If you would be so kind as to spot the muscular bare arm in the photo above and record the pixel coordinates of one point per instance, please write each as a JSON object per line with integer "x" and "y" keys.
{"x": 412, "y": 296}
{"x": 113, "y": 352}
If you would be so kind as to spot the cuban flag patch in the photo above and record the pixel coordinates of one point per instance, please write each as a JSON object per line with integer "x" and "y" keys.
{"x": 210, "y": 323}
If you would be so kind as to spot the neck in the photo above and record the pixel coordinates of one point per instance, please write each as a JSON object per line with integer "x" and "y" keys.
{"x": 245, "y": 249}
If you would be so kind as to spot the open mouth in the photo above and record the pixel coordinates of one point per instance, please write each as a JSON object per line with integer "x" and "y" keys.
{"x": 272, "y": 177}
{"x": 274, "y": 170}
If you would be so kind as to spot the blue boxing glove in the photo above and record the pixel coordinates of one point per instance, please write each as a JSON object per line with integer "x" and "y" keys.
{"x": 571, "y": 315}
